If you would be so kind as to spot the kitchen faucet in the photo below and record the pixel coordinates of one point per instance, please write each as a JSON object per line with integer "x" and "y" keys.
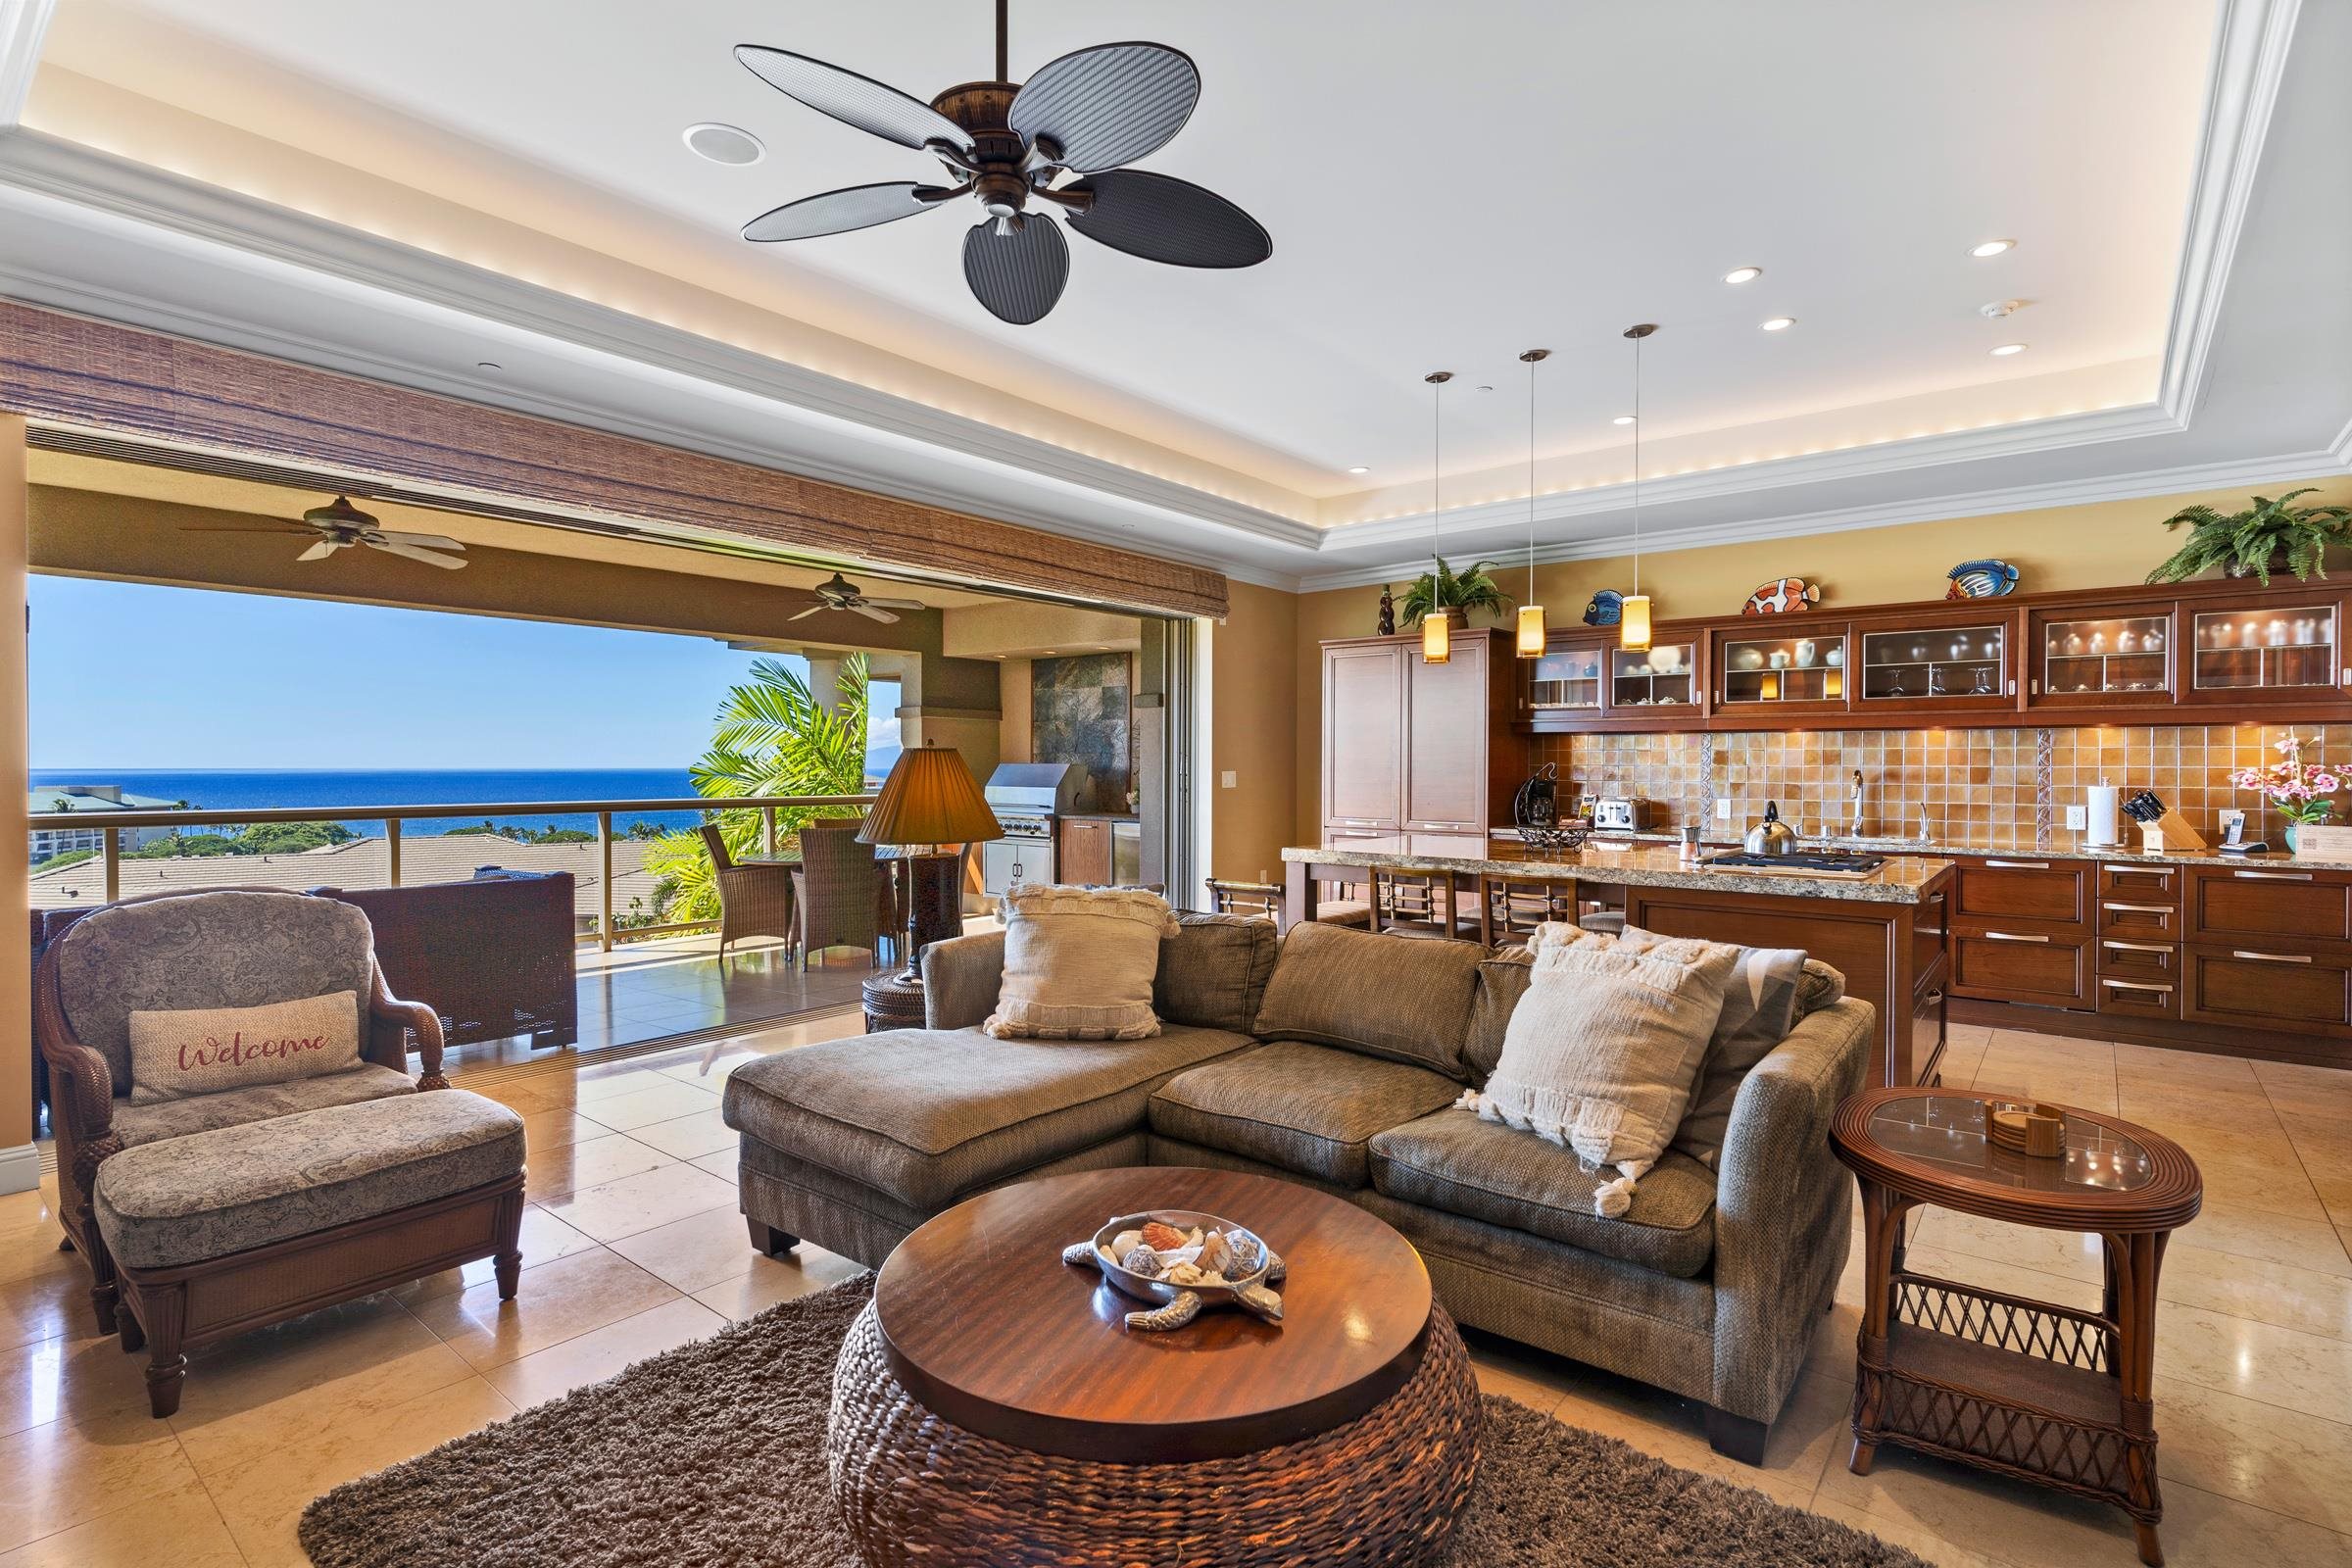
{"x": 1855, "y": 827}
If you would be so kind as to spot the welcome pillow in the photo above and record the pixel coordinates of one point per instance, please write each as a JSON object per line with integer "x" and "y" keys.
{"x": 1601, "y": 1053}
{"x": 207, "y": 1050}
{"x": 1079, "y": 963}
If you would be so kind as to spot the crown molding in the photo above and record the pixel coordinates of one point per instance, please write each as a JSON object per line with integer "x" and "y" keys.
{"x": 23, "y": 23}
{"x": 2337, "y": 458}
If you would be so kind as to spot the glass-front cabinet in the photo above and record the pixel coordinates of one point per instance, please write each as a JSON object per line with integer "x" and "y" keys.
{"x": 1963, "y": 662}
{"x": 1790, "y": 665}
{"x": 1566, "y": 681}
{"x": 1665, "y": 675}
{"x": 2274, "y": 649}
{"x": 2094, "y": 656}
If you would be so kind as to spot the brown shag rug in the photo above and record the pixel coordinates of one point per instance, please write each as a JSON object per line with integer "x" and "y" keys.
{"x": 713, "y": 1454}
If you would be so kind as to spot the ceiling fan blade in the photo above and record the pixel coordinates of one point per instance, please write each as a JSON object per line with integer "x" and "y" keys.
{"x": 806, "y": 614}
{"x": 871, "y": 613}
{"x": 1171, "y": 220}
{"x": 412, "y": 552}
{"x": 898, "y": 604}
{"x": 837, "y": 212}
{"x": 851, "y": 99}
{"x": 423, "y": 541}
{"x": 321, "y": 550}
{"x": 289, "y": 528}
{"x": 1108, "y": 105}
{"x": 1017, "y": 275}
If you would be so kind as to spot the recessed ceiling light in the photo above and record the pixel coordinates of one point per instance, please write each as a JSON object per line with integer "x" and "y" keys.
{"x": 1623, "y": 419}
{"x": 1743, "y": 274}
{"x": 1359, "y": 469}
{"x": 2007, "y": 348}
{"x": 1992, "y": 247}
{"x": 1779, "y": 323}
{"x": 724, "y": 144}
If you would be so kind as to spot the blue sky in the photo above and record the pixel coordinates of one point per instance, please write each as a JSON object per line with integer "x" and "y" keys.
{"x": 129, "y": 675}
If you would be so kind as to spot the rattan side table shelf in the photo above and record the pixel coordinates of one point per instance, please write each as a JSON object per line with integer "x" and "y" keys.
{"x": 2030, "y": 1390}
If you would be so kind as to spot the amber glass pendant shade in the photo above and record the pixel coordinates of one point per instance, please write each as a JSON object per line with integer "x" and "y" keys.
{"x": 1531, "y": 631}
{"x": 1633, "y": 623}
{"x": 1437, "y": 639}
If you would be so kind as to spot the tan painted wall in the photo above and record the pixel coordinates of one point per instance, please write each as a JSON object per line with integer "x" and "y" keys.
{"x": 2098, "y": 545}
{"x": 1026, "y": 629}
{"x": 1253, "y": 719}
{"x": 15, "y": 948}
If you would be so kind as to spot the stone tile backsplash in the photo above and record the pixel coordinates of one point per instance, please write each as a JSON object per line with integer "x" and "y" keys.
{"x": 2002, "y": 788}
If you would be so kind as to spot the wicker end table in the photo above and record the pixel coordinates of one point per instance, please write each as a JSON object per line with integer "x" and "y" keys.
{"x": 991, "y": 1410}
{"x": 2038, "y": 1392}
{"x": 891, "y": 1002}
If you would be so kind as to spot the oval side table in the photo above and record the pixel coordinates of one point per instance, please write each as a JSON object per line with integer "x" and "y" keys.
{"x": 2032, "y": 1389}
{"x": 891, "y": 1001}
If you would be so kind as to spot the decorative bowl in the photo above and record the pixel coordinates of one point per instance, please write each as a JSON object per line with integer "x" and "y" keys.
{"x": 1162, "y": 1292}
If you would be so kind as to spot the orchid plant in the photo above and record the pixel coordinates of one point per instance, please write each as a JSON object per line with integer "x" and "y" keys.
{"x": 2302, "y": 792}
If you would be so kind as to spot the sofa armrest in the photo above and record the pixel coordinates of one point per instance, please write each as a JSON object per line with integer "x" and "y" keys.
{"x": 960, "y": 979}
{"x": 390, "y": 1021}
{"x": 1784, "y": 1206}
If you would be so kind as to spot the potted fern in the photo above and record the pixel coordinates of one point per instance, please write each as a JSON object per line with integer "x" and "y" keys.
{"x": 1454, "y": 593}
{"x": 2268, "y": 536}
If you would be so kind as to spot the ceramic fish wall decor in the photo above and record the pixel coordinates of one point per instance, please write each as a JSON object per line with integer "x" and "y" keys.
{"x": 1606, "y": 608}
{"x": 1781, "y": 596}
{"x": 1980, "y": 579}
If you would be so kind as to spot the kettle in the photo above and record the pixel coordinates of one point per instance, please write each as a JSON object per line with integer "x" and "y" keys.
{"x": 1772, "y": 836}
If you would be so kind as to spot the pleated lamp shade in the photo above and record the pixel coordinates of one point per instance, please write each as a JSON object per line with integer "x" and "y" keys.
{"x": 929, "y": 798}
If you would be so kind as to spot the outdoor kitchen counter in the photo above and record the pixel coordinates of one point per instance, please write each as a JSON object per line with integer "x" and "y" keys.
{"x": 1885, "y": 931}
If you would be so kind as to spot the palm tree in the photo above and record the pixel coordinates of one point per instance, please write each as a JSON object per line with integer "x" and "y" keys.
{"x": 773, "y": 737}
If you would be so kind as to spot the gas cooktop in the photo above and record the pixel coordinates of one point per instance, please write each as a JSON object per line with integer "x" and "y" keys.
{"x": 1811, "y": 863}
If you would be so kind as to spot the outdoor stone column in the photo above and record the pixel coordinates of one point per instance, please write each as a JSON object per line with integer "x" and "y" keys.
{"x": 824, "y": 681}
{"x": 20, "y": 1164}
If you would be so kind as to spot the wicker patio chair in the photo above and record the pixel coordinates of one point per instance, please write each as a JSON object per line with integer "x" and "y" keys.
{"x": 835, "y": 900}
{"x": 755, "y": 897}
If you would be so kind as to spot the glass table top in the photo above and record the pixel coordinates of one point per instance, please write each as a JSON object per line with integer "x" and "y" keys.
{"x": 1949, "y": 1131}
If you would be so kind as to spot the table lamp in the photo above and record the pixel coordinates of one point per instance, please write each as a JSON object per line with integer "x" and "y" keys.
{"x": 930, "y": 801}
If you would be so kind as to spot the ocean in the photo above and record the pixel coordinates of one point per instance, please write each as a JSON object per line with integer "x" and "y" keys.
{"x": 223, "y": 790}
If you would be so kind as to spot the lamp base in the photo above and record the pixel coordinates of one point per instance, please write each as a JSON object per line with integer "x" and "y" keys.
{"x": 934, "y": 904}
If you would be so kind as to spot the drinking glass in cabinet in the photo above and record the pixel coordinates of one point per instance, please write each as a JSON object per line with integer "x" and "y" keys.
{"x": 1785, "y": 669}
{"x": 1570, "y": 679}
{"x": 1653, "y": 678}
{"x": 2103, "y": 653}
{"x": 1934, "y": 661}
{"x": 2248, "y": 649}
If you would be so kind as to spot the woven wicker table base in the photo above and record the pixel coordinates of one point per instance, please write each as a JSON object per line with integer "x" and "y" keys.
{"x": 1381, "y": 1492}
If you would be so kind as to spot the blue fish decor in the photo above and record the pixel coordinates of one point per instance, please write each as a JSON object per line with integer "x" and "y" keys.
{"x": 1980, "y": 579}
{"x": 1606, "y": 608}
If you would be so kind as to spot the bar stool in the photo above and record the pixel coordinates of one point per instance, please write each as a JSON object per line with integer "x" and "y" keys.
{"x": 1510, "y": 907}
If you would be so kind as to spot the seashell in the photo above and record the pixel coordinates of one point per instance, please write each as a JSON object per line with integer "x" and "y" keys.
{"x": 1175, "y": 1315}
{"x": 1143, "y": 1261}
{"x": 1215, "y": 1254}
{"x": 1125, "y": 1241}
{"x": 1162, "y": 1238}
{"x": 1078, "y": 1253}
{"x": 1261, "y": 1301}
{"x": 1188, "y": 1274}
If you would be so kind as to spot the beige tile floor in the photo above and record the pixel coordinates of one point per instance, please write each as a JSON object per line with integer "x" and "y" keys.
{"x": 632, "y": 1246}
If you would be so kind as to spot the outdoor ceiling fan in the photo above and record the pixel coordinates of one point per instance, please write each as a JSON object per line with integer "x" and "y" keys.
{"x": 339, "y": 525}
{"x": 839, "y": 593}
{"x": 1009, "y": 144}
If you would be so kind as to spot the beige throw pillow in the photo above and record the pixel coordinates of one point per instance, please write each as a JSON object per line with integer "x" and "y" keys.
{"x": 1601, "y": 1055}
{"x": 204, "y": 1051}
{"x": 1079, "y": 963}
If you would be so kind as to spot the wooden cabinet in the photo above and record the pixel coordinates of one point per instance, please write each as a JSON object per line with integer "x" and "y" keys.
{"x": 2268, "y": 904}
{"x": 1962, "y": 660}
{"x": 1422, "y": 755}
{"x": 1565, "y": 683}
{"x": 2100, "y": 655}
{"x": 1446, "y": 721}
{"x": 1082, "y": 852}
{"x": 2050, "y": 969}
{"x": 1780, "y": 665}
{"x": 2271, "y": 986}
{"x": 2283, "y": 647}
{"x": 2009, "y": 889}
{"x": 1663, "y": 686}
{"x": 1363, "y": 734}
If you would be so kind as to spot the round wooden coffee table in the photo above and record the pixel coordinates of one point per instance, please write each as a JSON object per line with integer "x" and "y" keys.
{"x": 2042, "y": 1392}
{"x": 990, "y": 1407}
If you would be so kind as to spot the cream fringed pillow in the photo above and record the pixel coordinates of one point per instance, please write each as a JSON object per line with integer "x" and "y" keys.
{"x": 1079, "y": 963}
{"x": 1601, "y": 1052}
{"x": 204, "y": 1051}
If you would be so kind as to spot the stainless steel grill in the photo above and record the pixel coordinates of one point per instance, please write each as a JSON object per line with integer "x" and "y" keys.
{"x": 1026, "y": 796}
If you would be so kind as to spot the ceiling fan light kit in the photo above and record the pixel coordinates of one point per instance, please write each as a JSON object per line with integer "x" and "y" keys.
{"x": 1009, "y": 146}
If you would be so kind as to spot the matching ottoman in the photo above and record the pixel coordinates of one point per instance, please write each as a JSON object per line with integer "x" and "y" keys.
{"x": 219, "y": 1232}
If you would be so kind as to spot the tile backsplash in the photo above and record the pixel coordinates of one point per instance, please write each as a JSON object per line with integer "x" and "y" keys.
{"x": 2003, "y": 788}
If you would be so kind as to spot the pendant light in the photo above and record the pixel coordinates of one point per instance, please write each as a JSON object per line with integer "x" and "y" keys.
{"x": 1532, "y": 630}
{"x": 1437, "y": 635}
{"x": 1632, "y": 621}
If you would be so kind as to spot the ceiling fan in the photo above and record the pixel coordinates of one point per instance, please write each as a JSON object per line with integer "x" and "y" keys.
{"x": 839, "y": 593}
{"x": 339, "y": 525}
{"x": 1009, "y": 144}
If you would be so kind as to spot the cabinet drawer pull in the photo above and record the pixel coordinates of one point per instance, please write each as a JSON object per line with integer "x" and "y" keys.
{"x": 2136, "y": 985}
{"x": 2139, "y": 909}
{"x": 2272, "y": 876}
{"x": 2270, "y": 957}
{"x": 2011, "y": 936}
{"x": 2018, "y": 865}
{"x": 2136, "y": 947}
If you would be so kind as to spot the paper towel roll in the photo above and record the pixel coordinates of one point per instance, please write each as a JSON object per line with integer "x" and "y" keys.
{"x": 2102, "y": 816}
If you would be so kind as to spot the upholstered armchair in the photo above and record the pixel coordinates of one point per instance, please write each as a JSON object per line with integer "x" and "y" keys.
{"x": 220, "y": 947}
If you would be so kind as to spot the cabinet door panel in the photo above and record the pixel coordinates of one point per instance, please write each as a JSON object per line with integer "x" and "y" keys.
{"x": 2023, "y": 888}
{"x": 1446, "y": 739}
{"x": 2127, "y": 959}
{"x": 1363, "y": 736}
{"x": 2032, "y": 966}
{"x": 2269, "y": 902}
{"x": 2270, "y": 988}
{"x": 2138, "y": 999}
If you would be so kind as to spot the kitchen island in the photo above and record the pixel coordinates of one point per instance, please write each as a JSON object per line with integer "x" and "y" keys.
{"x": 1884, "y": 930}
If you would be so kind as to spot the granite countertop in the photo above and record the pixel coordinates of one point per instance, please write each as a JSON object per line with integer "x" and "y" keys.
{"x": 1098, "y": 817}
{"x": 1904, "y": 879}
{"x": 2062, "y": 846}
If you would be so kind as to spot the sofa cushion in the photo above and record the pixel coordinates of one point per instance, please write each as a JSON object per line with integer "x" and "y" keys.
{"x": 1501, "y": 982}
{"x": 180, "y": 1051}
{"x": 1079, "y": 963}
{"x": 1452, "y": 1161}
{"x": 150, "y": 1123}
{"x": 1406, "y": 1000}
{"x": 1212, "y": 973}
{"x": 1759, "y": 1009}
{"x": 925, "y": 1115}
{"x": 211, "y": 1194}
{"x": 1302, "y": 1107}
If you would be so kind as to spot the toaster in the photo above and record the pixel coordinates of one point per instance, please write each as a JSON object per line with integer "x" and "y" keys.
{"x": 1619, "y": 815}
